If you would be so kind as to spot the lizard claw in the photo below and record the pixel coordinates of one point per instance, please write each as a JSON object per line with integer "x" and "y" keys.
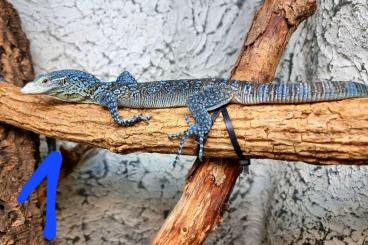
{"x": 145, "y": 118}
{"x": 176, "y": 135}
{"x": 181, "y": 146}
{"x": 187, "y": 120}
{"x": 134, "y": 119}
{"x": 201, "y": 145}
{"x": 180, "y": 134}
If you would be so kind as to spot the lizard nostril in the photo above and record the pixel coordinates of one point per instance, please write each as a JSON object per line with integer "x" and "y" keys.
{"x": 45, "y": 80}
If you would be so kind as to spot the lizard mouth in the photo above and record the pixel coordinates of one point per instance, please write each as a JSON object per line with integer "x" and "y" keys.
{"x": 33, "y": 88}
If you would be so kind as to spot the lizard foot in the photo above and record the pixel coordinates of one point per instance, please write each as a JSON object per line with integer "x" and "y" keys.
{"x": 194, "y": 129}
{"x": 132, "y": 120}
{"x": 179, "y": 135}
{"x": 176, "y": 135}
{"x": 112, "y": 106}
{"x": 145, "y": 118}
{"x": 187, "y": 120}
{"x": 182, "y": 133}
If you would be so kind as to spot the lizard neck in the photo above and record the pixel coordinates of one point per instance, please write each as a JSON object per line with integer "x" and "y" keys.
{"x": 81, "y": 92}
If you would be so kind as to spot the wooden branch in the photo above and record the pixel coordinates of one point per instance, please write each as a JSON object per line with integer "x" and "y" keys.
{"x": 326, "y": 133}
{"x": 19, "y": 224}
{"x": 201, "y": 205}
{"x": 271, "y": 29}
{"x": 206, "y": 192}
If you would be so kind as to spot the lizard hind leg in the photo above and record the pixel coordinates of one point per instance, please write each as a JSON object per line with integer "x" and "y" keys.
{"x": 199, "y": 104}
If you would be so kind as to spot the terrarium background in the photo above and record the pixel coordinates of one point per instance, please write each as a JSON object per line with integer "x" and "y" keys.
{"x": 113, "y": 198}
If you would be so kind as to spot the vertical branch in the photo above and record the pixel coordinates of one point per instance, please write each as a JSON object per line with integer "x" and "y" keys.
{"x": 18, "y": 148}
{"x": 209, "y": 185}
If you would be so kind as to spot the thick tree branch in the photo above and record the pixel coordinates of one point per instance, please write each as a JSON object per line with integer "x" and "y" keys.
{"x": 258, "y": 61}
{"x": 271, "y": 29}
{"x": 329, "y": 132}
{"x": 201, "y": 205}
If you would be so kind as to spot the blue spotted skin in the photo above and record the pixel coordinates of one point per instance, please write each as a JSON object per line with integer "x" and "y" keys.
{"x": 199, "y": 95}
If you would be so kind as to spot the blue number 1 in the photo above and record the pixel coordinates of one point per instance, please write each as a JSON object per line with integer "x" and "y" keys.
{"x": 49, "y": 168}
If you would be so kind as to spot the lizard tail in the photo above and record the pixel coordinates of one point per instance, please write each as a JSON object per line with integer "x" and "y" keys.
{"x": 285, "y": 93}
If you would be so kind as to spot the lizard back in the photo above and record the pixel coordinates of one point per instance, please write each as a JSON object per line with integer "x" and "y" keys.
{"x": 168, "y": 93}
{"x": 175, "y": 93}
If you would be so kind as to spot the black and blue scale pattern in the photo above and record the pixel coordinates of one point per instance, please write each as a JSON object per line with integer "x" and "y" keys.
{"x": 199, "y": 95}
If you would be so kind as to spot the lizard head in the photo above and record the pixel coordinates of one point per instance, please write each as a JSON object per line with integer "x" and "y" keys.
{"x": 69, "y": 85}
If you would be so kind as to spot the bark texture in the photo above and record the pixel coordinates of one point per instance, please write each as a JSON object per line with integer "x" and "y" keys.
{"x": 18, "y": 148}
{"x": 270, "y": 32}
{"x": 326, "y": 133}
{"x": 202, "y": 204}
{"x": 209, "y": 185}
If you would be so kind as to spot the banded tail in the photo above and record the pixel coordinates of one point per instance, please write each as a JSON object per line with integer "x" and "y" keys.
{"x": 280, "y": 93}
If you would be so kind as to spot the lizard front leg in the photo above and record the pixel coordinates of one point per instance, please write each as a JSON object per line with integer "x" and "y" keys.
{"x": 199, "y": 104}
{"x": 110, "y": 101}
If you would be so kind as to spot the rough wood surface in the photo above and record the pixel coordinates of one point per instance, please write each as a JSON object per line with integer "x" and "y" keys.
{"x": 18, "y": 148}
{"x": 202, "y": 203}
{"x": 326, "y": 133}
{"x": 271, "y": 29}
{"x": 210, "y": 183}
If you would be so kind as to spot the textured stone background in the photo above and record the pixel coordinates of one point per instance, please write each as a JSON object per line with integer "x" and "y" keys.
{"x": 115, "y": 199}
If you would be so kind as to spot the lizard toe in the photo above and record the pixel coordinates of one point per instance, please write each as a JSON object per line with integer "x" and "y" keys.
{"x": 187, "y": 120}
{"x": 145, "y": 118}
{"x": 194, "y": 129}
{"x": 173, "y": 136}
{"x": 177, "y": 135}
{"x": 183, "y": 139}
{"x": 201, "y": 146}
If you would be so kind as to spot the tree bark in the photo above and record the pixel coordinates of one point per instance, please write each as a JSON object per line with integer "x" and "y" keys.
{"x": 326, "y": 133}
{"x": 18, "y": 148}
{"x": 202, "y": 202}
{"x": 210, "y": 183}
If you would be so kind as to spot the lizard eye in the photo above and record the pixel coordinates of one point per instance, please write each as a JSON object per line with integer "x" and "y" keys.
{"x": 45, "y": 80}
